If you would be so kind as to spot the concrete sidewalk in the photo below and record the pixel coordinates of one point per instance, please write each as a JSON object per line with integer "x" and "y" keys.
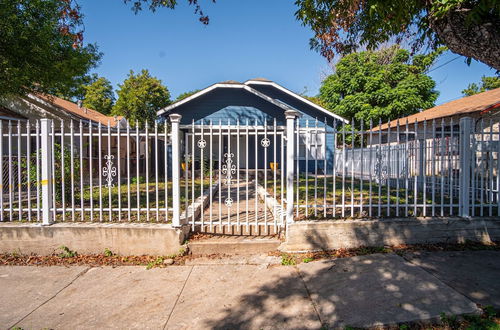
{"x": 359, "y": 291}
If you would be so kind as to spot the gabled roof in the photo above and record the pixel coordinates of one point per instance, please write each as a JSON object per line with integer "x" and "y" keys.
{"x": 79, "y": 112}
{"x": 225, "y": 84}
{"x": 6, "y": 114}
{"x": 264, "y": 81}
{"x": 246, "y": 86}
{"x": 484, "y": 101}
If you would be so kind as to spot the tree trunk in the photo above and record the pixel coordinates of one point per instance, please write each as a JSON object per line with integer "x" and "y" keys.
{"x": 478, "y": 41}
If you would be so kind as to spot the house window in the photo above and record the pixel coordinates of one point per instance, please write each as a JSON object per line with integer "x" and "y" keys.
{"x": 312, "y": 143}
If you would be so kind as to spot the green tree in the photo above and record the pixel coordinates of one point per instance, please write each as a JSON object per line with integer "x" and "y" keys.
{"x": 41, "y": 47}
{"x": 467, "y": 27}
{"x": 486, "y": 84}
{"x": 140, "y": 97}
{"x": 77, "y": 92}
{"x": 99, "y": 96}
{"x": 316, "y": 100}
{"x": 381, "y": 85}
{"x": 185, "y": 95}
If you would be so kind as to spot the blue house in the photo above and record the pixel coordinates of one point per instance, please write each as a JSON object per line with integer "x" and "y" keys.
{"x": 239, "y": 112}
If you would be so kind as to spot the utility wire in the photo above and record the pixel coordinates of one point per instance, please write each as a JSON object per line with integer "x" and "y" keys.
{"x": 444, "y": 64}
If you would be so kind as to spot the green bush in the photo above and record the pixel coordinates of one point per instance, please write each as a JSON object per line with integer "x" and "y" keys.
{"x": 58, "y": 171}
{"x": 140, "y": 179}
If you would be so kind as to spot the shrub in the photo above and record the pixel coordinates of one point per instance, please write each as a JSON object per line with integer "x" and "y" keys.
{"x": 59, "y": 154}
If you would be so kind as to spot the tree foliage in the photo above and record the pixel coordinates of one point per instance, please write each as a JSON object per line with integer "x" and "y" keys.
{"x": 99, "y": 96}
{"x": 486, "y": 84}
{"x": 380, "y": 85}
{"x": 137, "y": 6}
{"x": 185, "y": 95}
{"x": 467, "y": 27}
{"x": 140, "y": 97}
{"x": 41, "y": 47}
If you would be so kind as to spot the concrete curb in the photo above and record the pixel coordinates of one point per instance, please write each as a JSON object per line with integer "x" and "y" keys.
{"x": 272, "y": 204}
{"x": 196, "y": 206}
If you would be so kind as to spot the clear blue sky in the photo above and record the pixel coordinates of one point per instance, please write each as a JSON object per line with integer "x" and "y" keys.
{"x": 245, "y": 39}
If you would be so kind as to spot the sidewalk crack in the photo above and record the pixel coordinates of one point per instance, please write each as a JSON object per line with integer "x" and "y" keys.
{"x": 178, "y": 297}
{"x": 408, "y": 260}
{"x": 52, "y": 297}
{"x": 309, "y": 296}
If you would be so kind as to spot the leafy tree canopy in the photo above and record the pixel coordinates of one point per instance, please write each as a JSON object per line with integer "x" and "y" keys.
{"x": 137, "y": 5}
{"x": 185, "y": 95}
{"x": 467, "y": 27}
{"x": 380, "y": 85}
{"x": 487, "y": 83}
{"x": 317, "y": 100}
{"x": 41, "y": 47}
{"x": 99, "y": 96}
{"x": 140, "y": 97}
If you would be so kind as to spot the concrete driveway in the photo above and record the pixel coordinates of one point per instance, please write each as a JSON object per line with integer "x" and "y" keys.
{"x": 360, "y": 291}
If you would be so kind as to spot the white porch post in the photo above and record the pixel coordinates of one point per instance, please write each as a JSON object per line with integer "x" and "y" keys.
{"x": 46, "y": 172}
{"x": 290, "y": 162}
{"x": 465, "y": 166}
{"x": 175, "y": 119}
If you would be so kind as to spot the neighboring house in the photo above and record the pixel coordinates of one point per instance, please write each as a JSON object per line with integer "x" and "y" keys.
{"x": 433, "y": 136}
{"x": 37, "y": 106}
{"x": 483, "y": 108}
{"x": 16, "y": 113}
{"x": 256, "y": 103}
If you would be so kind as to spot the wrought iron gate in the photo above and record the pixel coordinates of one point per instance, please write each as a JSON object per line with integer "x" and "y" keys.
{"x": 233, "y": 176}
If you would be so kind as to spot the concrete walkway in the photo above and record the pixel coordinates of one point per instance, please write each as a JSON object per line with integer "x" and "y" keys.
{"x": 219, "y": 212}
{"x": 358, "y": 291}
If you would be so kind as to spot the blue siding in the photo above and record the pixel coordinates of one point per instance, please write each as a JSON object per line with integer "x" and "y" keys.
{"x": 228, "y": 105}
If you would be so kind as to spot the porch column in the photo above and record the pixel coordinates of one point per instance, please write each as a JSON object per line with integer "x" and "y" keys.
{"x": 290, "y": 162}
{"x": 175, "y": 119}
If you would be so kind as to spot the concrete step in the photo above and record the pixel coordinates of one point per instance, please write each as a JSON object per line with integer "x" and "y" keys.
{"x": 233, "y": 245}
{"x": 236, "y": 259}
{"x": 241, "y": 230}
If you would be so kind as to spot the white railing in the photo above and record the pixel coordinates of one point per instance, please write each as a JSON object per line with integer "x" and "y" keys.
{"x": 215, "y": 174}
{"x": 437, "y": 168}
{"x": 80, "y": 171}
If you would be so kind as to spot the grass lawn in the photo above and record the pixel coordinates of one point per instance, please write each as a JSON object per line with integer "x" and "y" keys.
{"x": 139, "y": 194}
{"x": 354, "y": 192}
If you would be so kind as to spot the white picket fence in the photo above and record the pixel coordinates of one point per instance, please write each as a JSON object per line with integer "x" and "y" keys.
{"x": 208, "y": 174}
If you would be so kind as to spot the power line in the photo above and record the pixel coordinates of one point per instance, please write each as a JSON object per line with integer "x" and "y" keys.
{"x": 444, "y": 64}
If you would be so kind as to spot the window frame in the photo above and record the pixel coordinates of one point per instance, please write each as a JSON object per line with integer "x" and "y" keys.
{"x": 308, "y": 132}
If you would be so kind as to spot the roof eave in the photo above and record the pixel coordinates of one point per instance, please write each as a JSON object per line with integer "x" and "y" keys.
{"x": 303, "y": 99}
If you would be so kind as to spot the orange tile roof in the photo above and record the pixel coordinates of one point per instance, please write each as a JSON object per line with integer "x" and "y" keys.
{"x": 460, "y": 107}
{"x": 83, "y": 113}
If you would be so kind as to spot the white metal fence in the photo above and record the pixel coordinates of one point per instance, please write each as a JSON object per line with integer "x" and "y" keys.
{"x": 437, "y": 168}
{"x": 84, "y": 172}
{"x": 249, "y": 175}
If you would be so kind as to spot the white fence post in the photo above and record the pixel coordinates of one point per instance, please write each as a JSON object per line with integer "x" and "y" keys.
{"x": 46, "y": 171}
{"x": 465, "y": 166}
{"x": 175, "y": 119}
{"x": 290, "y": 162}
